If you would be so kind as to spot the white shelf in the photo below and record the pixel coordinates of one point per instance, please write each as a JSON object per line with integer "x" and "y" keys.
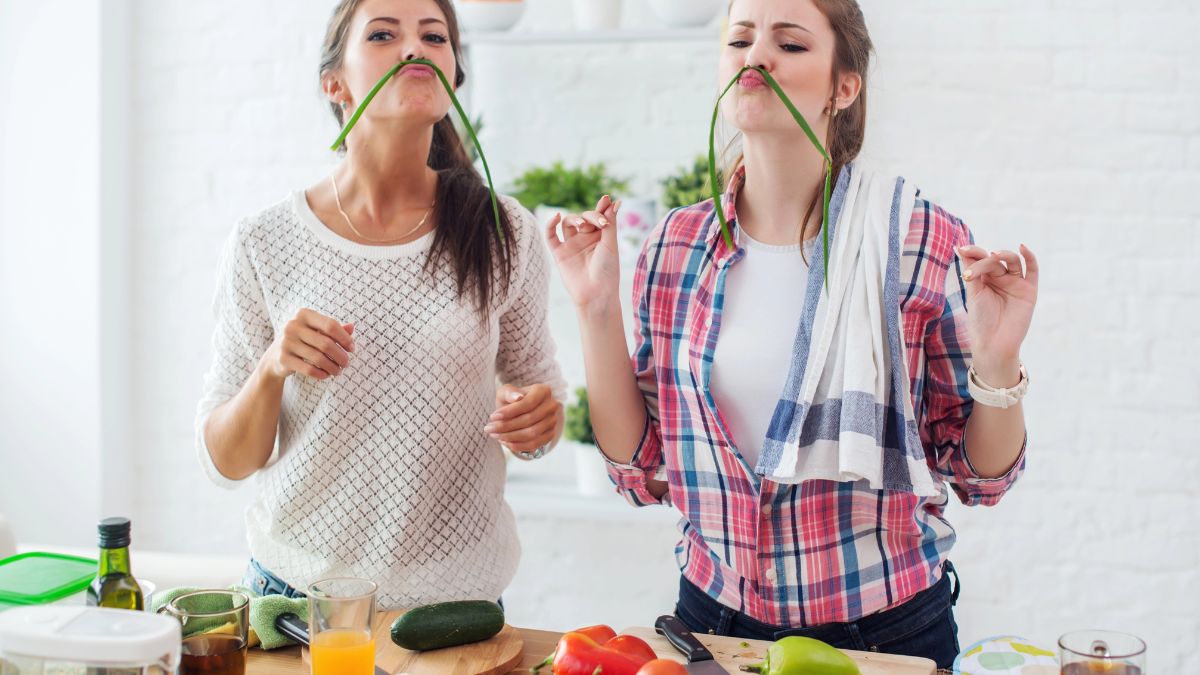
{"x": 574, "y": 37}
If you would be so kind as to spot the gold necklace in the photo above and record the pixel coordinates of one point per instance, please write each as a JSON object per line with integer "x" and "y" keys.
{"x": 337, "y": 198}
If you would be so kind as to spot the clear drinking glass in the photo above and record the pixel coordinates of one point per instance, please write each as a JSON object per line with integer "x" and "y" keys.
{"x": 1089, "y": 652}
{"x": 215, "y": 626}
{"x": 341, "y": 612}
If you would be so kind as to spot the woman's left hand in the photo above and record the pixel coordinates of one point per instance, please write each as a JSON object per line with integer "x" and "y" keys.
{"x": 1000, "y": 299}
{"x": 526, "y": 418}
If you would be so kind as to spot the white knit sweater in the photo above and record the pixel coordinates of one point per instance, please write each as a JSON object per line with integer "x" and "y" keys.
{"x": 383, "y": 472}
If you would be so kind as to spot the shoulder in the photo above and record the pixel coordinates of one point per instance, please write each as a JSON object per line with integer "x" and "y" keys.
{"x": 524, "y": 226}
{"x": 267, "y": 226}
{"x": 934, "y": 232}
{"x": 687, "y": 224}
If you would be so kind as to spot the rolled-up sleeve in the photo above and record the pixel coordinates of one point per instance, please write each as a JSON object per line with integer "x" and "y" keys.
{"x": 947, "y": 402}
{"x": 647, "y": 462}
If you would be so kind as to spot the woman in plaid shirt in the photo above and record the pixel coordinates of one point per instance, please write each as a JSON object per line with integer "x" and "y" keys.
{"x": 716, "y": 337}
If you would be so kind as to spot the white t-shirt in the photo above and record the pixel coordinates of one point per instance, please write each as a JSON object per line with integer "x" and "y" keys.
{"x": 383, "y": 472}
{"x": 764, "y": 297}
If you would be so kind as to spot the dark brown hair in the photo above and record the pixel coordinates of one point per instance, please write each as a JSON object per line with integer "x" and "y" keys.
{"x": 852, "y": 54}
{"x": 466, "y": 226}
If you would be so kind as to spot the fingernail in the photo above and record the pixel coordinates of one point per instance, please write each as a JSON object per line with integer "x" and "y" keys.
{"x": 603, "y": 221}
{"x": 489, "y": 428}
{"x": 495, "y": 416}
{"x": 617, "y": 206}
{"x": 967, "y": 275}
{"x": 514, "y": 396}
{"x": 495, "y": 436}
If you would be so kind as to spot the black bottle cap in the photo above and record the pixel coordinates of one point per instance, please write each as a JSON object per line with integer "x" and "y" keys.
{"x": 114, "y": 533}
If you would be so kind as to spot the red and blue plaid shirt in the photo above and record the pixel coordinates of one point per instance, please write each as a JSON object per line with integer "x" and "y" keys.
{"x": 820, "y": 551}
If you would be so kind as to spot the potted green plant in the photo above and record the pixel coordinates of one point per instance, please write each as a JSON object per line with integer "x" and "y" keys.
{"x": 687, "y": 186}
{"x": 590, "y": 468}
{"x": 545, "y": 190}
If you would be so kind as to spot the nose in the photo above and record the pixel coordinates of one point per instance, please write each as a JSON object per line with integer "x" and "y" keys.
{"x": 757, "y": 56}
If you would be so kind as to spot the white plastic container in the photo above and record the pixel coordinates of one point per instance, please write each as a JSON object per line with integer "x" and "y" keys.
{"x": 484, "y": 16}
{"x": 70, "y": 639}
{"x": 687, "y": 13}
{"x": 597, "y": 15}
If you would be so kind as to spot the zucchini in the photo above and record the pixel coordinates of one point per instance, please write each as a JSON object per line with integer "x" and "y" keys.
{"x": 447, "y": 624}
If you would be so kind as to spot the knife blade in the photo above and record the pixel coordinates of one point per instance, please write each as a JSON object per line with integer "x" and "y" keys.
{"x": 296, "y": 628}
{"x": 700, "y": 660}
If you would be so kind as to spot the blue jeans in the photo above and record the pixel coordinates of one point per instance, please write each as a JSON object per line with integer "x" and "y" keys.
{"x": 923, "y": 626}
{"x": 260, "y": 580}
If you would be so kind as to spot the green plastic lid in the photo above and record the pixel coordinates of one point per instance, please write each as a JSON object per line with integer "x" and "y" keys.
{"x": 40, "y": 578}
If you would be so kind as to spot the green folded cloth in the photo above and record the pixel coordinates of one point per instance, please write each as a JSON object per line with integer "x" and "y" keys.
{"x": 263, "y": 611}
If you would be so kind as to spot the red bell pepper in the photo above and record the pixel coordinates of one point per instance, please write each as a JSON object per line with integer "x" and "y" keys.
{"x": 596, "y": 651}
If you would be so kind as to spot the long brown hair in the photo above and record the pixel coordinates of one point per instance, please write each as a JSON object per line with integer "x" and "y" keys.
{"x": 466, "y": 230}
{"x": 852, "y": 54}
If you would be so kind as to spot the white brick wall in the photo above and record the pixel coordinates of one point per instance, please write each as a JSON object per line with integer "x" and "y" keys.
{"x": 1071, "y": 125}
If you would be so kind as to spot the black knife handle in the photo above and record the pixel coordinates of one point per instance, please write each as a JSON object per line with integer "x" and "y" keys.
{"x": 293, "y": 626}
{"x": 673, "y": 629}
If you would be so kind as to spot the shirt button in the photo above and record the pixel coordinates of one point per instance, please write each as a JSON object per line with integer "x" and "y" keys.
{"x": 708, "y": 320}
{"x": 771, "y": 575}
{"x": 767, "y": 510}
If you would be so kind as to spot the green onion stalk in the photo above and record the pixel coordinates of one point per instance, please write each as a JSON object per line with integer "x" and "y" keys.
{"x": 714, "y": 184}
{"x": 457, "y": 106}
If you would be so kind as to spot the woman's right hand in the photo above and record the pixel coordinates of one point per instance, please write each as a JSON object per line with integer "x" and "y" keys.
{"x": 311, "y": 344}
{"x": 587, "y": 255}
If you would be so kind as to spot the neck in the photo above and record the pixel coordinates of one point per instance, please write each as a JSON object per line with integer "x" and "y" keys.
{"x": 385, "y": 175}
{"x": 114, "y": 561}
{"x": 783, "y": 174}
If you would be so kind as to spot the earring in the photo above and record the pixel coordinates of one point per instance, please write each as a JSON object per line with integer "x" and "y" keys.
{"x": 833, "y": 109}
{"x": 345, "y": 105}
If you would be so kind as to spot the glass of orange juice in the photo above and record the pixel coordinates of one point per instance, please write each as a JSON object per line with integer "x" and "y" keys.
{"x": 340, "y": 616}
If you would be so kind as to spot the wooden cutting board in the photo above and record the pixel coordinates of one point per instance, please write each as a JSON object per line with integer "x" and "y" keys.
{"x": 730, "y": 653}
{"x": 490, "y": 657}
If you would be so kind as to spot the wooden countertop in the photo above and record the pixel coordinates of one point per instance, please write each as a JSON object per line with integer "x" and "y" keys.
{"x": 288, "y": 661}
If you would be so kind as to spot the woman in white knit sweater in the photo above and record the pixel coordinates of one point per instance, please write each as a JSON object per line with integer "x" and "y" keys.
{"x": 377, "y": 341}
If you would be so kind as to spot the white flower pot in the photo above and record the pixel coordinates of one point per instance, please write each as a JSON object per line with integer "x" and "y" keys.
{"x": 480, "y": 16}
{"x": 591, "y": 471}
{"x": 687, "y": 13}
{"x": 597, "y": 14}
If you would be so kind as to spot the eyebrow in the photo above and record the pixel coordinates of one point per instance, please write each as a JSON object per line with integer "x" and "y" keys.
{"x": 396, "y": 22}
{"x": 777, "y": 26}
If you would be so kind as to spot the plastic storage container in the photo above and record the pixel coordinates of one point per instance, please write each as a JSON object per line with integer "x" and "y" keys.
{"x": 44, "y": 578}
{"x": 73, "y": 640}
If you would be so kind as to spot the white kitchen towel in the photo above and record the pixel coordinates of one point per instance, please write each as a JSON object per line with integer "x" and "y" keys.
{"x": 846, "y": 411}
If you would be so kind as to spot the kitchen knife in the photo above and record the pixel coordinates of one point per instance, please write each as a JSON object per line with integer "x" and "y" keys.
{"x": 700, "y": 660}
{"x": 296, "y": 628}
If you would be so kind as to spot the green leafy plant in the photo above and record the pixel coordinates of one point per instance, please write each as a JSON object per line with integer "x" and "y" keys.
{"x": 687, "y": 186}
{"x": 579, "y": 421}
{"x": 812, "y": 137}
{"x": 573, "y": 189}
{"x": 466, "y": 123}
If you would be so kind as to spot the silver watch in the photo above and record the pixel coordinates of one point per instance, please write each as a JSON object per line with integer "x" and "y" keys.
{"x": 536, "y": 453}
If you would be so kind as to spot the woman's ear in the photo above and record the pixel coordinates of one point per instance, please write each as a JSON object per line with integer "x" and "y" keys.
{"x": 849, "y": 86}
{"x": 334, "y": 90}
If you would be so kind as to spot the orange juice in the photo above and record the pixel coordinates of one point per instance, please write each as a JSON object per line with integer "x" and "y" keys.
{"x": 343, "y": 651}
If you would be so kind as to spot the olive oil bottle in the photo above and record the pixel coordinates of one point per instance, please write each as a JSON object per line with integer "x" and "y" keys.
{"x": 114, "y": 585}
